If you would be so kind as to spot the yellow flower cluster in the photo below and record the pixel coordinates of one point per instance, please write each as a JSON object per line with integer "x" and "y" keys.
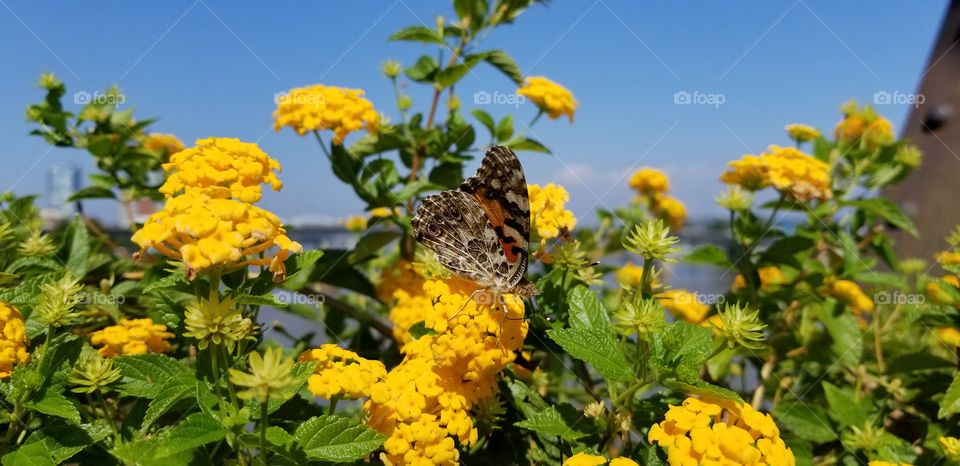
{"x": 684, "y": 304}
{"x": 319, "y": 107}
{"x": 948, "y": 258}
{"x": 341, "y": 373}
{"x": 164, "y": 144}
{"x": 424, "y": 403}
{"x": 209, "y": 219}
{"x": 948, "y": 335}
{"x": 861, "y": 126}
{"x": 648, "y": 180}
{"x": 770, "y": 277}
{"x": 850, "y": 294}
{"x": 547, "y": 212}
{"x": 713, "y": 432}
{"x": 355, "y": 223}
{"x": 802, "y": 133}
{"x": 951, "y": 448}
{"x": 402, "y": 286}
{"x": 583, "y": 459}
{"x": 400, "y": 275}
{"x": 132, "y": 336}
{"x": 549, "y": 97}
{"x": 630, "y": 275}
{"x": 787, "y": 169}
{"x": 652, "y": 185}
{"x": 940, "y": 296}
{"x": 13, "y": 340}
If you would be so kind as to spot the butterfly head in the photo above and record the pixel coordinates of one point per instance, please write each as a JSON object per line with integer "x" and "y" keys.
{"x": 525, "y": 289}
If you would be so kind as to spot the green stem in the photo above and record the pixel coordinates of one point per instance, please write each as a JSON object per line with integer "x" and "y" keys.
{"x": 628, "y": 393}
{"x": 322, "y": 145}
{"x": 108, "y": 414}
{"x": 646, "y": 283}
{"x": 333, "y": 405}
{"x": 264, "y": 423}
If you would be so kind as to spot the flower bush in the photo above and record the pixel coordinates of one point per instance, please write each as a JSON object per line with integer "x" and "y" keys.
{"x": 824, "y": 347}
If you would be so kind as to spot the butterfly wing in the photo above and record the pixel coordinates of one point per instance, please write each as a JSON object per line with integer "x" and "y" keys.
{"x": 500, "y": 188}
{"x": 454, "y": 226}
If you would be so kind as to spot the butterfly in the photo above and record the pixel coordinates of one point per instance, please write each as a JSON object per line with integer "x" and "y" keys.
{"x": 481, "y": 230}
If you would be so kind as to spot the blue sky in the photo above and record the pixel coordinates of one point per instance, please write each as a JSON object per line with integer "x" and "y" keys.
{"x": 211, "y": 68}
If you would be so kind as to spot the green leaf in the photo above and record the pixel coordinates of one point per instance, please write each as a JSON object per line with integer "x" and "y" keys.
{"x": 338, "y": 439}
{"x": 54, "y": 444}
{"x": 527, "y": 144}
{"x": 708, "y": 254}
{"x": 370, "y": 244}
{"x": 845, "y": 408}
{"x": 505, "y": 128}
{"x": 586, "y": 311}
{"x": 598, "y": 348}
{"x": 170, "y": 392}
{"x": 807, "y": 421}
{"x": 424, "y": 70}
{"x": 486, "y": 120}
{"x": 887, "y": 210}
{"x": 783, "y": 249}
{"x": 299, "y": 267}
{"x": 171, "y": 443}
{"x": 92, "y": 192}
{"x": 261, "y": 300}
{"x": 79, "y": 250}
{"x": 418, "y": 34}
{"x": 950, "y": 404}
{"x": 549, "y": 421}
{"x": 452, "y": 74}
{"x": 845, "y": 333}
{"x": 502, "y": 61}
{"x": 174, "y": 280}
{"x": 703, "y": 389}
{"x": 143, "y": 373}
{"x": 53, "y": 403}
{"x": 681, "y": 349}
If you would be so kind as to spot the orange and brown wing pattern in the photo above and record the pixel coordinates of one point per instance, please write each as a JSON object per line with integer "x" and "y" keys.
{"x": 500, "y": 188}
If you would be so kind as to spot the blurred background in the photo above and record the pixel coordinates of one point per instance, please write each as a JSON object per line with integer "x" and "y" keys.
{"x": 212, "y": 68}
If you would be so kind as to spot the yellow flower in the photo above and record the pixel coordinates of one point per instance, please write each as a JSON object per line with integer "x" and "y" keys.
{"x": 684, "y": 304}
{"x": 355, "y": 223}
{"x": 381, "y": 212}
{"x": 862, "y": 126}
{"x": 319, "y": 107}
{"x": 948, "y": 335}
{"x": 787, "y": 169}
{"x": 218, "y": 322}
{"x": 648, "y": 180}
{"x": 623, "y": 462}
{"x": 400, "y": 275}
{"x": 849, "y": 293}
{"x": 719, "y": 432}
{"x": 630, "y": 275}
{"x": 770, "y": 277}
{"x": 13, "y": 340}
{"x": 132, "y": 336}
{"x": 224, "y": 168}
{"x": 341, "y": 373}
{"x": 208, "y": 220}
{"x": 949, "y": 258}
{"x": 549, "y": 97}
{"x": 269, "y": 375}
{"x": 671, "y": 210}
{"x": 425, "y": 402}
{"x": 583, "y": 459}
{"x": 951, "y": 448}
{"x": 164, "y": 144}
{"x": 802, "y": 133}
{"x": 547, "y": 212}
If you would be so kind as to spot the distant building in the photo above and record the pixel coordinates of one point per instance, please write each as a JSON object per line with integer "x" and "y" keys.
{"x": 62, "y": 181}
